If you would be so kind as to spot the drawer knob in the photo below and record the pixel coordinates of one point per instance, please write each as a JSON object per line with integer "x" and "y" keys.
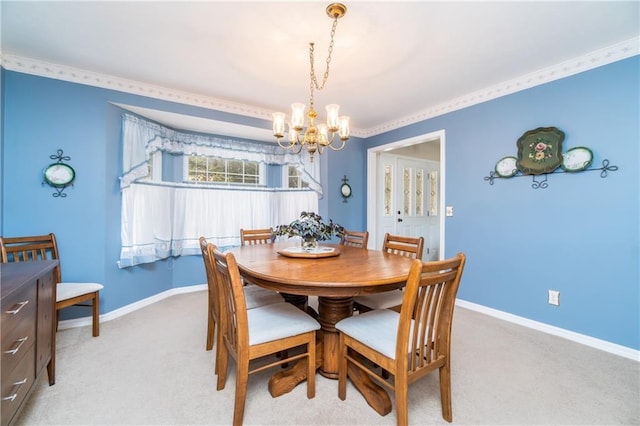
{"x": 16, "y": 310}
{"x": 17, "y": 348}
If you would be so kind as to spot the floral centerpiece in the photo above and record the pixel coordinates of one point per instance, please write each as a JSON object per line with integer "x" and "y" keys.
{"x": 311, "y": 229}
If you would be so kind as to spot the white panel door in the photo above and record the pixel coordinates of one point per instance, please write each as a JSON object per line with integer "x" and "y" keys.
{"x": 409, "y": 200}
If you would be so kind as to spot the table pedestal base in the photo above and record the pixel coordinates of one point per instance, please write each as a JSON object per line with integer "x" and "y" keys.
{"x": 331, "y": 310}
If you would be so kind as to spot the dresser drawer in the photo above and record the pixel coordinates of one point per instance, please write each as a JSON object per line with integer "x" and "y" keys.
{"x": 18, "y": 328}
{"x": 17, "y": 309}
{"x": 16, "y": 385}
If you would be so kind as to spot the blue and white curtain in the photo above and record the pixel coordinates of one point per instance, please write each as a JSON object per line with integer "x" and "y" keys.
{"x": 164, "y": 219}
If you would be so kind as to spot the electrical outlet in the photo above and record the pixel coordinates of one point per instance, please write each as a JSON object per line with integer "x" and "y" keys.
{"x": 554, "y": 297}
{"x": 449, "y": 211}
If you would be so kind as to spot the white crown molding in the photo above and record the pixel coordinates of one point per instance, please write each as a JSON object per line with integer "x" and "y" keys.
{"x": 75, "y": 75}
{"x": 598, "y": 58}
{"x": 617, "y": 52}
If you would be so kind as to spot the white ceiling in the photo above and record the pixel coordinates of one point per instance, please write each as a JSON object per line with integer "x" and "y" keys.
{"x": 393, "y": 63}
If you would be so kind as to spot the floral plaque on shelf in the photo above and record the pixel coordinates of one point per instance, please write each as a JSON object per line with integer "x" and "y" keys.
{"x": 540, "y": 151}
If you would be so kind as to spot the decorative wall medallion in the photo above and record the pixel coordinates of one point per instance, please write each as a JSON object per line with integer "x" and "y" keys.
{"x": 540, "y": 151}
{"x": 577, "y": 159}
{"x": 506, "y": 167}
{"x": 59, "y": 175}
{"x": 345, "y": 189}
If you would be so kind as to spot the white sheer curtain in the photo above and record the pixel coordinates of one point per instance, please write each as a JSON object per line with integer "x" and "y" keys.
{"x": 163, "y": 219}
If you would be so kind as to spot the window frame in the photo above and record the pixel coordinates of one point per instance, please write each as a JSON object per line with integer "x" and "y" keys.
{"x": 262, "y": 172}
{"x": 302, "y": 184}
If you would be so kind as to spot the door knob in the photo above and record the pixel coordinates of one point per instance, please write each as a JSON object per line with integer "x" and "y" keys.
{"x": 399, "y": 219}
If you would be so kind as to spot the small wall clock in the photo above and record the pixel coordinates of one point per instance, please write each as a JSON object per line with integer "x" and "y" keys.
{"x": 59, "y": 175}
{"x": 345, "y": 189}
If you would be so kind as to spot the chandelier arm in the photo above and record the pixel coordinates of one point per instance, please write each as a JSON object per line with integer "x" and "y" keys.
{"x": 289, "y": 146}
{"x": 330, "y": 145}
{"x": 296, "y": 151}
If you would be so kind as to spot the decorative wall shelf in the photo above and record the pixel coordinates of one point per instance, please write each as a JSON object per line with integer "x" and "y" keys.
{"x": 540, "y": 154}
{"x": 542, "y": 183}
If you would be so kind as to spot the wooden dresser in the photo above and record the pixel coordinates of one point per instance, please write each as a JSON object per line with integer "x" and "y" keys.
{"x": 27, "y": 297}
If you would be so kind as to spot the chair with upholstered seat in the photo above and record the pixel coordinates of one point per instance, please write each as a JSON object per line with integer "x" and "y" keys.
{"x": 249, "y": 334}
{"x": 409, "y": 344}
{"x": 43, "y": 247}
{"x": 355, "y": 238}
{"x": 266, "y": 236}
{"x": 397, "y": 244}
{"x": 255, "y": 296}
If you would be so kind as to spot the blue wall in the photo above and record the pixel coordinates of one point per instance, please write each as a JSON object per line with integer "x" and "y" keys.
{"x": 580, "y": 236}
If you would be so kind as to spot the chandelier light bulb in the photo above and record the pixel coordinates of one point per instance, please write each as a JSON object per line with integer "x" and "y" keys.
{"x": 293, "y": 135}
{"x": 278, "y": 124}
{"x": 323, "y": 134}
{"x": 297, "y": 115}
{"x": 343, "y": 131}
{"x": 332, "y": 117}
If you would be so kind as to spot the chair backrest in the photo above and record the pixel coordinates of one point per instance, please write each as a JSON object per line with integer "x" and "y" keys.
{"x": 427, "y": 312}
{"x": 234, "y": 323}
{"x": 211, "y": 276}
{"x": 30, "y": 249}
{"x": 355, "y": 239}
{"x": 256, "y": 236}
{"x": 404, "y": 246}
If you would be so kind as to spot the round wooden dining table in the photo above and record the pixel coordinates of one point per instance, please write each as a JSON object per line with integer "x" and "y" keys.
{"x": 335, "y": 280}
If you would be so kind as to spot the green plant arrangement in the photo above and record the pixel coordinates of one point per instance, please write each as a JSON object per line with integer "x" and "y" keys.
{"x": 310, "y": 228}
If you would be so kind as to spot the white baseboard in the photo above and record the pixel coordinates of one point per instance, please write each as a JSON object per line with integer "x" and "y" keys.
{"x": 117, "y": 313}
{"x": 603, "y": 345}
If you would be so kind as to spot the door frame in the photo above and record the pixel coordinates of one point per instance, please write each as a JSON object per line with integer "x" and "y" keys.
{"x": 372, "y": 190}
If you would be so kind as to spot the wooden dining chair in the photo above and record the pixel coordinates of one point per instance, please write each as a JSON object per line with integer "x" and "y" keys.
{"x": 396, "y": 244}
{"x": 355, "y": 238}
{"x": 266, "y": 236}
{"x": 409, "y": 344}
{"x": 250, "y": 334}
{"x": 256, "y": 236}
{"x": 43, "y": 247}
{"x": 255, "y": 296}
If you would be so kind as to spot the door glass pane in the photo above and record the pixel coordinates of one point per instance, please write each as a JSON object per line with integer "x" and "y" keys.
{"x": 433, "y": 184}
{"x": 388, "y": 190}
{"x": 406, "y": 192}
{"x": 419, "y": 192}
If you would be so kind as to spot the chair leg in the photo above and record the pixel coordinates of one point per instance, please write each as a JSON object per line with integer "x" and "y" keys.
{"x": 402, "y": 406}
{"x": 445, "y": 392}
{"x": 219, "y": 348}
{"x": 342, "y": 369}
{"x": 222, "y": 361}
{"x": 95, "y": 307}
{"x": 211, "y": 329}
{"x": 56, "y": 318}
{"x": 242, "y": 377}
{"x": 311, "y": 367}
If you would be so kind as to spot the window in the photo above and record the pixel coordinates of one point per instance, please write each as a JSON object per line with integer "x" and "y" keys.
{"x": 292, "y": 178}
{"x": 155, "y": 167}
{"x": 200, "y": 168}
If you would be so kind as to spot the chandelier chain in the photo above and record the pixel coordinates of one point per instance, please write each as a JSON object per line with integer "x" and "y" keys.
{"x": 314, "y": 80}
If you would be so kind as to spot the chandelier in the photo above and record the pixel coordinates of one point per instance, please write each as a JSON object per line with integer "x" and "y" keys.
{"x": 315, "y": 138}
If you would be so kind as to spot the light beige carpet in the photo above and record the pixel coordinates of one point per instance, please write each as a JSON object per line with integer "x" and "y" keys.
{"x": 150, "y": 367}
